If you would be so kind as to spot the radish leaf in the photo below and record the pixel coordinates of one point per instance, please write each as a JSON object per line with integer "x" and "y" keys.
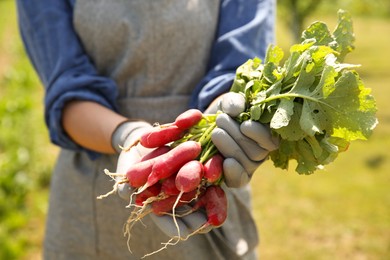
{"x": 314, "y": 103}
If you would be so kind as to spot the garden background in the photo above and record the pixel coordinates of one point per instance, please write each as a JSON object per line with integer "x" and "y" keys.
{"x": 342, "y": 212}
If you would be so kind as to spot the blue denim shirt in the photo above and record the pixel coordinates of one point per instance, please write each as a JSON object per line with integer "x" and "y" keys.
{"x": 246, "y": 28}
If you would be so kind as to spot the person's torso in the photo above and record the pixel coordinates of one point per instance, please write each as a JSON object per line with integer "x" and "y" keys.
{"x": 156, "y": 51}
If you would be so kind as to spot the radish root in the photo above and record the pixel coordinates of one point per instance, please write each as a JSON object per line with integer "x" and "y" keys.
{"x": 116, "y": 184}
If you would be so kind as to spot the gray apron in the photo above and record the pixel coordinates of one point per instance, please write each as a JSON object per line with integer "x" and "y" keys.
{"x": 156, "y": 51}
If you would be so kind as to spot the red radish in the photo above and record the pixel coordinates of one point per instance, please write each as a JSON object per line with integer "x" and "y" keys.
{"x": 161, "y": 207}
{"x": 213, "y": 168}
{"x": 150, "y": 192}
{"x": 168, "y": 205}
{"x": 214, "y": 201}
{"x": 169, "y": 163}
{"x": 137, "y": 174}
{"x": 156, "y": 152}
{"x": 160, "y": 136}
{"x": 188, "y": 179}
{"x": 216, "y": 206}
{"x": 188, "y": 118}
{"x": 189, "y": 176}
{"x": 168, "y": 186}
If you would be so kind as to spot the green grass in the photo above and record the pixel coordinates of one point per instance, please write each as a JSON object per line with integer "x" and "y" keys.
{"x": 342, "y": 212}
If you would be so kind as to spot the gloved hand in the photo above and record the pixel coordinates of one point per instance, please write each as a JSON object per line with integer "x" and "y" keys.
{"x": 244, "y": 146}
{"x": 124, "y": 136}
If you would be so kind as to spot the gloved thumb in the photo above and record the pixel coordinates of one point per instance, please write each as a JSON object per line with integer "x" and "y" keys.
{"x": 233, "y": 103}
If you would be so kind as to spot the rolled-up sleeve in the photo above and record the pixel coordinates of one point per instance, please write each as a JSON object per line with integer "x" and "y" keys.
{"x": 246, "y": 28}
{"x": 57, "y": 55}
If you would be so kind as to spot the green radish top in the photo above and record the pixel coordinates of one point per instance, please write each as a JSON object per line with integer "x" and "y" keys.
{"x": 313, "y": 102}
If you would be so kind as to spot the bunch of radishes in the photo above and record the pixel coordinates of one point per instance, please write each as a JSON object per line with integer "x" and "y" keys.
{"x": 184, "y": 168}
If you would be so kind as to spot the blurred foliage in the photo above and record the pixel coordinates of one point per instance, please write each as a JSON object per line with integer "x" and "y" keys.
{"x": 358, "y": 8}
{"x": 294, "y": 13}
{"x": 24, "y": 161}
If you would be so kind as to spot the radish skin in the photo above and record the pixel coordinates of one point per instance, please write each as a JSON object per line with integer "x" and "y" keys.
{"x": 189, "y": 176}
{"x": 188, "y": 118}
{"x": 155, "y": 153}
{"x": 187, "y": 179}
{"x": 213, "y": 168}
{"x": 164, "y": 206}
{"x": 215, "y": 203}
{"x": 216, "y": 206}
{"x": 160, "y": 136}
{"x": 152, "y": 191}
{"x": 137, "y": 174}
{"x": 172, "y": 161}
{"x": 168, "y": 186}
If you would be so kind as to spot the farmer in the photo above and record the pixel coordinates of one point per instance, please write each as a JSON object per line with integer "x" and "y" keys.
{"x": 110, "y": 70}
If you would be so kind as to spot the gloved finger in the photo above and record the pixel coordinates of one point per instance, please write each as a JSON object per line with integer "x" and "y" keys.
{"x": 233, "y": 104}
{"x": 124, "y": 191}
{"x": 127, "y": 158}
{"x": 260, "y": 134}
{"x": 250, "y": 147}
{"x": 196, "y": 220}
{"x": 168, "y": 226}
{"x": 235, "y": 175}
{"x": 127, "y": 131}
{"x": 230, "y": 149}
{"x": 214, "y": 106}
{"x": 130, "y": 157}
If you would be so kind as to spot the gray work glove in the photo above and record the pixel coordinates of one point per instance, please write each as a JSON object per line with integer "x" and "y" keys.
{"x": 244, "y": 146}
{"x": 125, "y": 135}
